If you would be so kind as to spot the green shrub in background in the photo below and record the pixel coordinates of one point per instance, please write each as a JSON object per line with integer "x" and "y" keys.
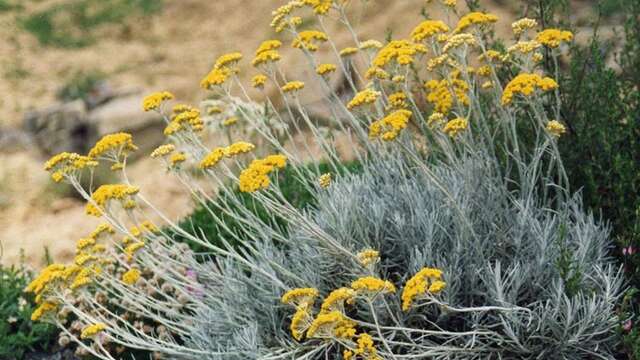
{"x": 79, "y": 85}
{"x": 70, "y": 24}
{"x": 601, "y": 151}
{"x": 200, "y": 221}
{"x": 18, "y": 335}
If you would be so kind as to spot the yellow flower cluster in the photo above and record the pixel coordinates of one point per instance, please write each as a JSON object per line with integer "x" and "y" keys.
{"x": 427, "y": 29}
{"x": 368, "y": 257}
{"x": 348, "y": 51}
{"x": 258, "y": 81}
{"x": 457, "y": 40}
{"x": 524, "y": 47}
{"x": 402, "y": 52}
{"x": 184, "y": 118}
{"x": 556, "y": 128}
{"x": 337, "y": 298}
{"x": 366, "y": 348}
{"x": 102, "y": 229}
{"x": 526, "y": 84}
{"x": 307, "y": 40}
{"x": 153, "y": 101}
{"x": 256, "y": 176}
{"x": 398, "y": 100}
{"x": 370, "y": 285}
{"x": 426, "y": 280}
{"x": 227, "y": 60}
{"x": 43, "y": 309}
{"x": 332, "y": 324}
{"x": 325, "y": 180}
{"x": 553, "y": 37}
{"x": 436, "y": 119}
{"x": 267, "y": 52}
{"x": 320, "y": 7}
{"x": 521, "y": 26}
{"x": 474, "y": 18}
{"x": 281, "y": 16}
{"x": 370, "y": 44}
{"x": 302, "y": 299}
{"x": 365, "y": 97}
{"x": 324, "y": 69}
{"x": 118, "y": 143}
{"x": 293, "y": 86}
{"x": 216, "y": 77}
{"x": 131, "y": 276}
{"x": 455, "y": 126}
{"x": 163, "y": 150}
{"x": 132, "y": 249}
{"x": 178, "y": 158}
{"x": 92, "y": 330}
{"x": 240, "y": 147}
{"x": 230, "y": 121}
{"x": 105, "y": 193}
{"x": 67, "y": 164}
{"x": 389, "y": 127}
{"x": 442, "y": 94}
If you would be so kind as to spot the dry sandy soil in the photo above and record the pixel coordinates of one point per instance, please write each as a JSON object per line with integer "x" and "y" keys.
{"x": 171, "y": 50}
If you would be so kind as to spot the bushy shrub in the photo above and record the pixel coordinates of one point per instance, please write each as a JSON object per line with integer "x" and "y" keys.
{"x": 457, "y": 239}
{"x": 18, "y": 334}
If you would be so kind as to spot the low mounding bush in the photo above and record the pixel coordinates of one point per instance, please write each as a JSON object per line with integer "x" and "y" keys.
{"x": 458, "y": 238}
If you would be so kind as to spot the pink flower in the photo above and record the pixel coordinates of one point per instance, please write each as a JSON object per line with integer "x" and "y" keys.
{"x": 629, "y": 250}
{"x": 627, "y": 325}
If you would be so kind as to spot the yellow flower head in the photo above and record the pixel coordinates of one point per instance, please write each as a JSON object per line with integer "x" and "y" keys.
{"x": 556, "y": 128}
{"x": 92, "y": 330}
{"x": 524, "y": 47}
{"x": 300, "y": 296}
{"x": 337, "y": 298}
{"x": 427, "y": 280}
{"x": 376, "y": 73}
{"x": 212, "y": 158}
{"x": 216, "y": 77}
{"x": 370, "y": 44}
{"x": 525, "y": 85}
{"x": 43, "y": 309}
{"x": 300, "y": 322}
{"x": 177, "y": 158}
{"x": 330, "y": 325}
{"x": 390, "y": 126}
{"x": 187, "y": 119}
{"x": 474, "y": 18}
{"x": 368, "y": 257}
{"x": 256, "y": 176}
{"x": 456, "y": 41}
{"x": 455, "y": 126}
{"x": 163, "y": 150}
{"x": 398, "y": 100}
{"x": 307, "y": 40}
{"x": 282, "y": 15}
{"x": 268, "y": 45}
{"x": 117, "y": 144}
{"x": 131, "y": 276}
{"x": 325, "y": 180}
{"x": 427, "y": 29}
{"x": 258, "y": 81}
{"x": 436, "y": 119}
{"x": 320, "y": 7}
{"x": 325, "y": 69}
{"x": 240, "y": 147}
{"x": 293, "y": 86}
{"x": 153, "y": 101}
{"x": 266, "y": 57}
{"x": 366, "y": 348}
{"x": 370, "y": 285}
{"x": 68, "y": 164}
{"x": 107, "y": 193}
{"x": 228, "y": 60}
{"x": 348, "y": 51}
{"x": 46, "y": 277}
{"x": 554, "y": 37}
{"x": 521, "y": 26}
{"x": 402, "y": 52}
{"x": 230, "y": 121}
{"x": 364, "y": 97}
{"x": 444, "y": 93}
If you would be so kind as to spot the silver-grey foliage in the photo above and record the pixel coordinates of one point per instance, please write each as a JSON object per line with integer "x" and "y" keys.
{"x": 540, "y": 278}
